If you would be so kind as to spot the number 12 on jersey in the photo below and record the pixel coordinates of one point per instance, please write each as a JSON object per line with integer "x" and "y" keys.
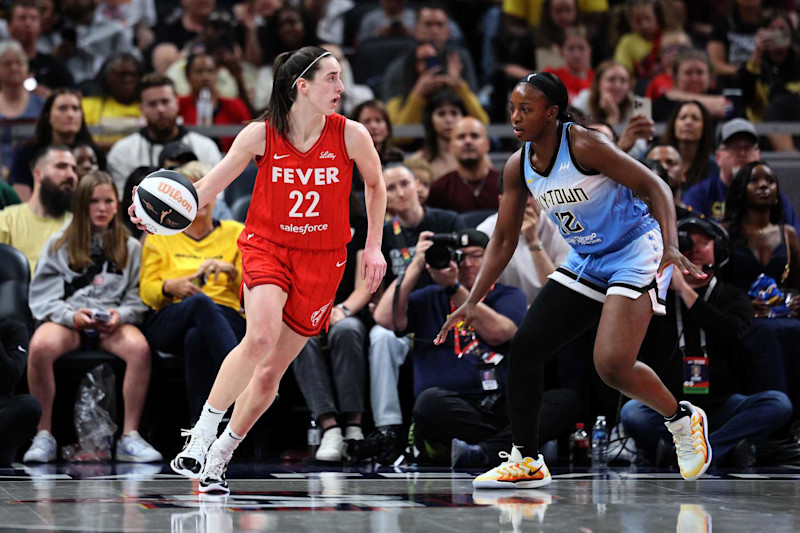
{"x": 311, "y": 198}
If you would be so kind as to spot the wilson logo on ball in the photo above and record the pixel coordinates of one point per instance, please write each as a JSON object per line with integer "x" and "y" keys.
{"x": 175, "y": 194}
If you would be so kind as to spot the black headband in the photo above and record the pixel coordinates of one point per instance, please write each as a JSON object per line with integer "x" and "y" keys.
{"x": 551, "y": 86}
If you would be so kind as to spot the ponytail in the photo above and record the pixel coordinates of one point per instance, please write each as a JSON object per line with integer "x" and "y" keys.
{"x": 286, "y": 70}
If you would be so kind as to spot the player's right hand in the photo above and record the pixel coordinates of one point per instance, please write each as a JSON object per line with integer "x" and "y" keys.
{"x": 373, "y": 268}
{"x": 132, "y": 214}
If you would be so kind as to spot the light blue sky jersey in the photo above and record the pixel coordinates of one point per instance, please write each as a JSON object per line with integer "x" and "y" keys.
{"x": 594, "y": 213}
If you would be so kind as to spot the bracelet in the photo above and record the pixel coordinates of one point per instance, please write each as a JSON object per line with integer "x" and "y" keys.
{"x": 452, "y": 289}
{"x": 344, "y": 309}
{"x": 538, "y": 247}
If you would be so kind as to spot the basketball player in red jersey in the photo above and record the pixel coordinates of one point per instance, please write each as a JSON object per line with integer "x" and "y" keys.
{"x": 293, "y": 244}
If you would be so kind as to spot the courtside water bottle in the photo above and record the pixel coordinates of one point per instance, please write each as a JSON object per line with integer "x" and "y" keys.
{"x": 600, "y": 442}
{"x": 314, "y": 436}
{"x": 205, "y": 108}
{"x": 579, "y": 446}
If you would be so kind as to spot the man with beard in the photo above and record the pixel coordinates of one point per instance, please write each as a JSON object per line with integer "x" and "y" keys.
{"x": 28, "y": 226}
{"x": 474, "y": 185}
{"x": 738, "y": 145}
{"x": 159, "y": 103}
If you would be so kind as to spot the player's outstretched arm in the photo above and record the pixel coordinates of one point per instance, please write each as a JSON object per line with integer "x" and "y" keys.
{"x": 501, "y": 245}
{"x": 594, "y": 150}
{"x": 361, "y": 150}
{"x": 250, "y": 142}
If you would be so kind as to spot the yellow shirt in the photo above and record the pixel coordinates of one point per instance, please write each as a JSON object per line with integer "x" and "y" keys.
{"x": 119, "y": 119}
{"x": 631, "y": 49}
{"x": 531, "y": 10}
{"x": 28, "y": 232}
{"x": 176, "y": 256}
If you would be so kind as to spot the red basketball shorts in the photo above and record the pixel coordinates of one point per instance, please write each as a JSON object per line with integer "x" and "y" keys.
{"x": 309, "y": 277}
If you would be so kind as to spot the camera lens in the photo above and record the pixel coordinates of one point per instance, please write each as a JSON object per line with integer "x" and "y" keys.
{"x": 439, "y": 255}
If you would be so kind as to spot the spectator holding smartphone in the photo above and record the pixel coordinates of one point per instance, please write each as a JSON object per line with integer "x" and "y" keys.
{"x": 426, "y": 71}
{"x": 86, "y": 294}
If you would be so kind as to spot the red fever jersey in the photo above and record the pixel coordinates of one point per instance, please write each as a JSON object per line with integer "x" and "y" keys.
{"x": 301, "y": 200}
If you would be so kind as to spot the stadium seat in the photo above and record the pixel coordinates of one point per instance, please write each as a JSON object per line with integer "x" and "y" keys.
{"x": 15, "y": 277}
{"x": 471, "y": 219}
{"x": 240, "y": 208}
{"x": 373, "y": 57}
{"x": 242, "y": 186}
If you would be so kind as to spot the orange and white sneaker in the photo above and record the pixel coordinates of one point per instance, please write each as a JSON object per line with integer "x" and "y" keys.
{"x": 515, "y": 472}
{"x": 690, "y": 436}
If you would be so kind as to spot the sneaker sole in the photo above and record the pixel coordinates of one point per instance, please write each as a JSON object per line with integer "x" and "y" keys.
{"x": 39, "y": 461}
{"x": 494, "y": 484}
{"x": 183, "y": 471}
{"x": 708, "y": 445}
{"x": 214, "y": 488}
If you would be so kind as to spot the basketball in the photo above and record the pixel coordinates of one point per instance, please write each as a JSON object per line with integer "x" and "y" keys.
{"x": 166, "y": 201}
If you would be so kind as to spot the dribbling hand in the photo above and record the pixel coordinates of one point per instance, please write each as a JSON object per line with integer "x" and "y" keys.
{"x": 373, "y": 268}
{"x": 673, "y": 256}
{"x": 465, "y": 313}
{"x": 132, "y": 214}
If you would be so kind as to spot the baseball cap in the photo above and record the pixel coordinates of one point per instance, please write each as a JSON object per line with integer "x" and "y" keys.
{"x": 711, "y": 229}
{"x": 735, "y": 127}
{"x": 472, "y": 237}
{"x": 176, "y": 151}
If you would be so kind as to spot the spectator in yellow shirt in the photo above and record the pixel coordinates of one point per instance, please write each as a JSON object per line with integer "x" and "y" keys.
{"x": 192, "y": 281}
{"x": 115, "y": 107}
{"x": 638, "y": 50}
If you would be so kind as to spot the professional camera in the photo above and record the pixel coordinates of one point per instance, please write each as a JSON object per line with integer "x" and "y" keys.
{"x": 444, "y": 249}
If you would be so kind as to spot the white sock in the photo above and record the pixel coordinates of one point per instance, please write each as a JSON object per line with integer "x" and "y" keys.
{"x": 210, "y": 419}
{"x": 227, "y": 443}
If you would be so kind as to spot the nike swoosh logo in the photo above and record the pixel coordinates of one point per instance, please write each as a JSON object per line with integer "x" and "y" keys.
{"x": 276, "y": 156}
{"x": 341, "y": 263}
{"x": 250, "y": 235}
{"x": 21, "y": 349}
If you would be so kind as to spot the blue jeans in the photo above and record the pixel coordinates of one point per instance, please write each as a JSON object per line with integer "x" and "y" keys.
{"x": 203, "y": 332}
{"x": 753, "y": 417}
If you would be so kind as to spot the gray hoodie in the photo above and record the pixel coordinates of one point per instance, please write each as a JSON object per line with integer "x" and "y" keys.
{"x": 57, "y": 292}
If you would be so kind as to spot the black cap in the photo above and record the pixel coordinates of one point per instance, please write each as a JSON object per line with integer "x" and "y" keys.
{"x": 710, "y": 228}
{"x": 176, "y": 151}
{"x": 472, "y": 237}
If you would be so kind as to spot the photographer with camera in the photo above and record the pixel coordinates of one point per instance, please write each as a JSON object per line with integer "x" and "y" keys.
{"x": 459, "y": 385}
{"x": 697, "y": 350}
{"x": 387, "y": 351}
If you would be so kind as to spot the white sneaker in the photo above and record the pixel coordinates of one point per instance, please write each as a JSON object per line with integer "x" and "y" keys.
{"x": 353, "y": 433}
{"x": 191, "y": 460}
{"x": 331, "y": 447}
{"x": 516, "y": 472}
{"x": 212, "y": 479}
{"x": 43, "y": 449}
{"x": 690, "y": 436}
{"x": 132, "y": 448}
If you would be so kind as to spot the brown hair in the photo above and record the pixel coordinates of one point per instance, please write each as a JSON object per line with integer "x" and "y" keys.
{"x": 286, "y": 70}
{"x": 154, "y": 79}
{"x": 78, "y": 235}
{"x": 594, "y": 93}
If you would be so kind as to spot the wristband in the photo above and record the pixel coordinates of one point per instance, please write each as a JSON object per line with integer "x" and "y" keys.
{"x": 344, "y": 309}
{"x": 452, "y": 289}
{"x": 538, "y": 247}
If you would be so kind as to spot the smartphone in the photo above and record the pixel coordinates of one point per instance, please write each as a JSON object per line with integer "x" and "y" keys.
{"x": 642, "y": 106}
{"x": 433, "y": 62}
{"x": 101, "y": 316}
{"x": 733, "y": 103}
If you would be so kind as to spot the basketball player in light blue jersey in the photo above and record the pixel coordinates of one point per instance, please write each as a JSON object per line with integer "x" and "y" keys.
{"x": 617, "y": 274}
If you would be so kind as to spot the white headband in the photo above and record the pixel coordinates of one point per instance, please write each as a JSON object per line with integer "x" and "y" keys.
{"x": 308, "y": 67}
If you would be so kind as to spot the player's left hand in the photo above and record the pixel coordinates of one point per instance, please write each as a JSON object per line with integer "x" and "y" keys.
{"x": 373, "y": 268}
{"x": 673, "y": 256}
{"x": 465, "y": 314}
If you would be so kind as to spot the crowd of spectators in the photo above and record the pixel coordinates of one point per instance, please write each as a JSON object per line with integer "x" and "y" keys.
{"x": 95, "y": 95}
